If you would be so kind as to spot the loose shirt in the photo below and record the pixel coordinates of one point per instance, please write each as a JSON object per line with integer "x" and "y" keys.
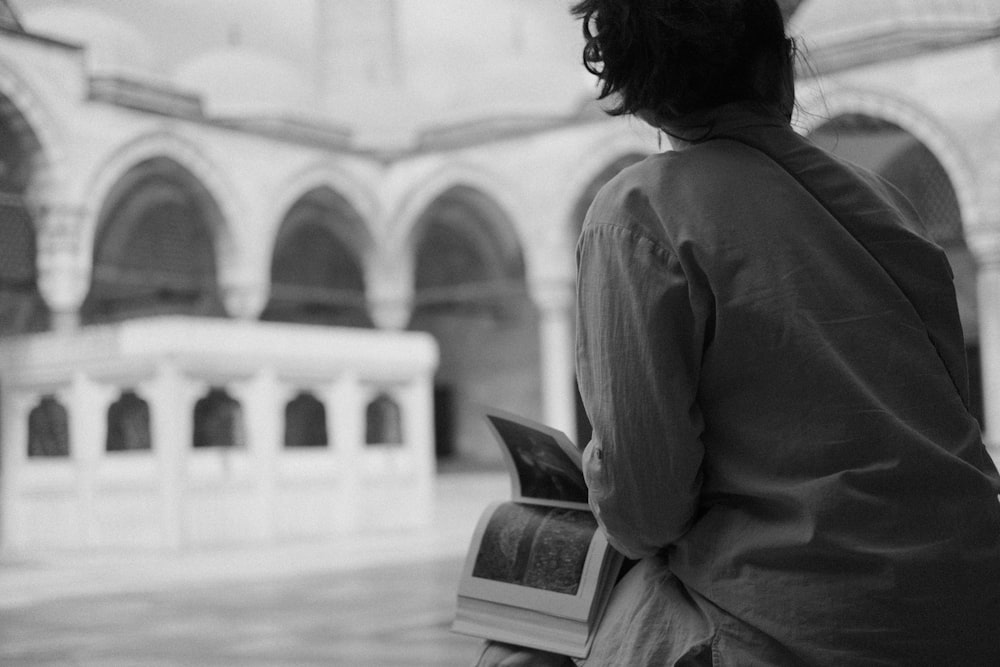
{"x": 774, "y": 367}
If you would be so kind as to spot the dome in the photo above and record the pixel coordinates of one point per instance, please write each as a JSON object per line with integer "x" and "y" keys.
{"x": 237, "y": 81}
{"x": 831, "y": 23}
{"x": 112, "y": 46}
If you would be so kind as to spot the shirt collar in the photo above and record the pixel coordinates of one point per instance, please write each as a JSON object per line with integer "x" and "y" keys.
{"x": 726, "y": 119}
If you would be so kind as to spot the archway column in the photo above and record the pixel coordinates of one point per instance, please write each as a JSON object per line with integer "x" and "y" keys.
{"x": 63, "y": 266}
{"x": 554, "y": 299}
{"x": 245, "y": 299}
{"x": 389, "y": 292}
{"x": 986, "y": 248}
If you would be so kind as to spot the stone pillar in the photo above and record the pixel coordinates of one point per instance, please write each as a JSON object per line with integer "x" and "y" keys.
{"x": 263, "y": 413}
{"x": 245, "y": 299}
{"x": 88, "y": 410}
{"x": 391, "y": 312}
{"x": 63, "y": 266}
{"x": 171, "y": 402}
{"x": 986, "y": 248}
{"x": 14, "y": 406}
{"x": 389, "y": 288}
{"x": 555, "y": 299}
{"x": 988, "y": 287}
{"x": 345, "y": 403}
{"x": 418, "y": 434}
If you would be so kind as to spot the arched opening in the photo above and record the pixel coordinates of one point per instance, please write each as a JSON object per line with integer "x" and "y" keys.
{"x": 584, "y": 429}
{"x": 154, "y": 251}
{"x": 218, "y": 421}
{"x": 317, "y": 275}
{"x": 305, "y": 422}
{"x": 383, "y": 421}
{"x": 22, "y": 309}
{"x": 471, "y": 295}
{"x": 48, "y": 429}
{"x": 128, "y": 424}
{"x": 908, "y": 164}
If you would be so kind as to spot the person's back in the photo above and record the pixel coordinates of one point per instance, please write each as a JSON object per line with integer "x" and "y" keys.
{"x": 774, "y": 368}
{"x": 848, "y": 510}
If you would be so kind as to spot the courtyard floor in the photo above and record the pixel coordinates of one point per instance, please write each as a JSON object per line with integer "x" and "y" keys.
{"x": 377, "y": 599}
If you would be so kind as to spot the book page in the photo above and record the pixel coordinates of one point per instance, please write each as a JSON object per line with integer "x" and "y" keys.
{"x": 547, "y": 558}
{"x": 539, "y": 571}
{"x": 544, "y": 464}
{"x": 535, "y": 546}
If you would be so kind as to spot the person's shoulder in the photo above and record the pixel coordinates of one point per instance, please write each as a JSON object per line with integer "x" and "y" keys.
{"x": 630, "y": 202}
{"x": 667, "y": 192}
{"x": 651, "y": 177}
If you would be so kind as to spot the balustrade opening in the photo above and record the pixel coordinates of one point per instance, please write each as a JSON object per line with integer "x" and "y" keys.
{"x": 305, "y": 422}
{"x": 218, "y": 421}
{"x": 48, "y": 429}
{"x": 383, "y": 422}
{"x": 128, "y": 424}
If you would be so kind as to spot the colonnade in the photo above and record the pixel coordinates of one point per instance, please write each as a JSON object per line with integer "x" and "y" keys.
{"x": 64, "y": 280}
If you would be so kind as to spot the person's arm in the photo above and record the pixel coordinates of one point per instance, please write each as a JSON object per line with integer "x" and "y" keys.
{"x": 639, "y": 349}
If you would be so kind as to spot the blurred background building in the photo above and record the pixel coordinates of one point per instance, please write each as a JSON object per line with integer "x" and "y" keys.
{"x": 262, "y": 264}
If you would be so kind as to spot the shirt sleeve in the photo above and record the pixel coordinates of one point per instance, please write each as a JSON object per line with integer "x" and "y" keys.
{"x": 639, "y": 348}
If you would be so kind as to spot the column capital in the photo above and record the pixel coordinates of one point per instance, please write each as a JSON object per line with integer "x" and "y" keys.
{"x": 245, "y": 300}
{"x": 60, "y": 229}
{"x": 389, "y": 292}
{"x": 553, "y": 294}
{"x": 984, "y": 243}
{"x": 388, "y": 311}
{"x": 63, "y": 275}
{"x": 63, "y": 264}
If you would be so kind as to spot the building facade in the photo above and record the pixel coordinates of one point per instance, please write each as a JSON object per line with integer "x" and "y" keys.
{"x": 206, "y": 210}
{"x": 136, "y": 208}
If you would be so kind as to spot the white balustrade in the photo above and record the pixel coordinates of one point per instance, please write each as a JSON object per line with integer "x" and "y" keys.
{"x": 174, "y": 494}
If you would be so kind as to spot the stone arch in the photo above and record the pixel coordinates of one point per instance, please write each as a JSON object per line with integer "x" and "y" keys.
{"x": 465, "y": 220}
{"x": 361, "y": 199}
{"x": 819, "y": 107}
{"x": 187, "y": 154}
{"x": 471, "y": 294}
{"x": 50, "y": 158}
{"x": 391, "y": 269}
{"x": 22, "y": 308}
{"x": 317, "y": 272}
{"x": 154, "y": 248}
{"x": 419, "y": 196}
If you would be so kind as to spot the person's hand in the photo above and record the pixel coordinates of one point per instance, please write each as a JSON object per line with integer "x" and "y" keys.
{"x": 497, "y": 654}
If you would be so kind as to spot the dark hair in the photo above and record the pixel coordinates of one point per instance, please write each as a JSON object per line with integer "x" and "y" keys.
{"x": 674, "y": 57}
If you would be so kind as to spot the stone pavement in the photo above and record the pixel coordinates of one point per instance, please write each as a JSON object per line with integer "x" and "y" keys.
{"x": 378, "y": 599}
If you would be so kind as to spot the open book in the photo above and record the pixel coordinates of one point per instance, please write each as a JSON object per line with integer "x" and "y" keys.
{"x": 539, "y": 572}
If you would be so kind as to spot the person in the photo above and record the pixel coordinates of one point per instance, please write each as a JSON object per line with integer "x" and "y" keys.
{"x": 772, "y": 360}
